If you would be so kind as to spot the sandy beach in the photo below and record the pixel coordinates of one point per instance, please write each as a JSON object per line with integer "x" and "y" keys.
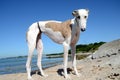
{"x": 88, "y": 69}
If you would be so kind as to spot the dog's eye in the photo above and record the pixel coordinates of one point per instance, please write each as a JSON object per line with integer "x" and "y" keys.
{"x": 78, "y": 17}
{"x": 85, "y": 17}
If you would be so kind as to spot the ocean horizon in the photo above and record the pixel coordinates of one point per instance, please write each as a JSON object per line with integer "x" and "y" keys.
{"x": 11, "y": 65}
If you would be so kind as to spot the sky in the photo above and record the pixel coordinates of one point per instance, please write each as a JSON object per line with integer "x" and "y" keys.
{"x": 17, "y": 15}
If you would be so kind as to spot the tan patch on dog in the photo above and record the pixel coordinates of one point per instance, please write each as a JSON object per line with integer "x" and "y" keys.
{"x": 64, "y": 27}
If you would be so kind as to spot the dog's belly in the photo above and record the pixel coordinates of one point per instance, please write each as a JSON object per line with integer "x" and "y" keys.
{"x": 56, "y": 36}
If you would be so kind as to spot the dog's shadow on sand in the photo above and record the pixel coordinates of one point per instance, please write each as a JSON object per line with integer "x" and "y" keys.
{"x": 36, "y": 72}
{"x": 59, "y": 71}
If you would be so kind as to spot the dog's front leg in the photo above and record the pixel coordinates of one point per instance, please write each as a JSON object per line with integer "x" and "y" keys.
{"x": 66, "y": 47}
{"x": 73, "y": 53}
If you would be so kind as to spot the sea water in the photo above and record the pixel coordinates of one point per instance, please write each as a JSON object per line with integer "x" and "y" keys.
{"x": 17, "y": 64}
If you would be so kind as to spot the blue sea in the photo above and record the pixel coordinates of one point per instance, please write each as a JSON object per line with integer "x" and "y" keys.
{"x": 17, "y": 64}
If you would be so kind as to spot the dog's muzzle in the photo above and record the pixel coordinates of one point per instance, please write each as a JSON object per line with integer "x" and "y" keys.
{"x": 83, "y": 29}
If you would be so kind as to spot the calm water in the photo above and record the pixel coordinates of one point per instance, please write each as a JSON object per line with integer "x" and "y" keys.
{"x": 16, "y": 65}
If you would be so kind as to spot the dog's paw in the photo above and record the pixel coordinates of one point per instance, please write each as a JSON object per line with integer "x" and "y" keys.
{"x": 45, "y": 75}
{"x": 30, "y": 78}
{"x": 67, "y": 77}
{"x": 78, "y": 75}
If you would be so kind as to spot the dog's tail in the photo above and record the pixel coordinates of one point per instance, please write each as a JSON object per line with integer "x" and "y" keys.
{"x": 39, "y": 27}
{"x": 33, "y": 34}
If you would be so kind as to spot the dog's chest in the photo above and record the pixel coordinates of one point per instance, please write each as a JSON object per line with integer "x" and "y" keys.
{"x": 75, "y": 35}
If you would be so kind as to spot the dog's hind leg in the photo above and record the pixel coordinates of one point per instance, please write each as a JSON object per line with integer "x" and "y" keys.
{"x": 39, "y": 47}
{"x": 31, "y": 40}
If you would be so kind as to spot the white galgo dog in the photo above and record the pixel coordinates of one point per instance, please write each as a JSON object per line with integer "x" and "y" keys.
{"x": 65, "y": 33}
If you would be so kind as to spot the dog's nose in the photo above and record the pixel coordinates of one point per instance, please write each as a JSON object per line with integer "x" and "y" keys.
{"x": 83, "y": 29}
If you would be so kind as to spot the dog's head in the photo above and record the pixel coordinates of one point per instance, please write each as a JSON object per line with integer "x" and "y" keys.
{"x": 81, "y": 16}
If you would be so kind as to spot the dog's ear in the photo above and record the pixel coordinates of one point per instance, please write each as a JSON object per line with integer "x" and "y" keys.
{"x": 75, "y": 13}
{"x": 87, "y": 10}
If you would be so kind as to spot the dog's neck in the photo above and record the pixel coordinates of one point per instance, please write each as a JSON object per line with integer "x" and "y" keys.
{"x": 75, "y": 25}
{"x": 75, "y": 31}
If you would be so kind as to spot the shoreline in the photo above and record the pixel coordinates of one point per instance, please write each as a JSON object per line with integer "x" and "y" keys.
{"x": 53, "y": 73}
{"x": 97, "y": 70}
{"x": 15, "y": 65}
